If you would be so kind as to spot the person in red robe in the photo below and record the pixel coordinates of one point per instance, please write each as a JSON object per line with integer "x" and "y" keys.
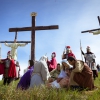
{"x": 52, "y": 64}
{"x": 8, "y": 69}
{"x": 67, "y": 53}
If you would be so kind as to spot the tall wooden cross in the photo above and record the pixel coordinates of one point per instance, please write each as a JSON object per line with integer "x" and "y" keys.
{"x": 93, "y": 29}
{"x": 33, "y": 28}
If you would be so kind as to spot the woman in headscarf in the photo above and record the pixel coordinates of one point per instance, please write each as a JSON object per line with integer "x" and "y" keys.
{"x": 40, "y": 73}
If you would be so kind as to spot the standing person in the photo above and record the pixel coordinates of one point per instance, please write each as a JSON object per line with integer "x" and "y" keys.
{"x": 90, "y": 60}
{"x": 40, "y": 73}
{"x": 9, "y": 69}
{"x": 17, "y": 70}
{"x": 81, "y": 74}
{"x": 14, "y": 47}
{"x": 98, "y": 67}
{"x": 24, "y": 82}
{"x": 52, "y": 64}
{"x": 67, "y": 53}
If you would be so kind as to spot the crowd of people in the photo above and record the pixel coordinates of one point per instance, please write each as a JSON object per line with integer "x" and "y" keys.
{"x": 70, "y": 73}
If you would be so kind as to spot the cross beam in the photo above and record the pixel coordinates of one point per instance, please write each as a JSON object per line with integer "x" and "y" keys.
{"x": 36, "y": 28}
{"x": 33, "y": 29}
{"x": 92, "y": 29}
{"x": 16, "y": 41}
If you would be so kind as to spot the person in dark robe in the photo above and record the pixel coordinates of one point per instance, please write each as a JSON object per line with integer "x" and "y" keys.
{"x": 24, "y": 82}
{"x": 67, "y": 53}
{"x": 52, "y": 64}
{"x": 81, "y": 75}
{"x": 8, "y": 69}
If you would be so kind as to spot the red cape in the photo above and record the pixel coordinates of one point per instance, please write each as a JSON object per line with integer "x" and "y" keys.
{"x": 52, "y": 64}
{"x": 11, "y": 71}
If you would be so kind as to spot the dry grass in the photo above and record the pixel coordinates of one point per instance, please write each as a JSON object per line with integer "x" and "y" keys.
{"x": 43, "y": 93}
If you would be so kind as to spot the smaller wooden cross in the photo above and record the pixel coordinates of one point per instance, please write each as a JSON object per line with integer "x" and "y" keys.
{"x": 93, "y": 29}
{"x": 16, "y": 41}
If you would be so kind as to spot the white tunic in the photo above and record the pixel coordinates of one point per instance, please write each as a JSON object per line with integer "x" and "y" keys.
{"x": 40, "y": 74}
{"x": 89, "y": 59}
{"x": 14, "y": 47}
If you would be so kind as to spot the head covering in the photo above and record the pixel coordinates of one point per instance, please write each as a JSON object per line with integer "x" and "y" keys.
{"x": 43, "y": 58}
{"x": 68, "y": 48}
{"x": 8, "y": 53}
{"x": 65, "y": 61}
{"x": 88, "y": 48}
{"x": 53, "y": 54}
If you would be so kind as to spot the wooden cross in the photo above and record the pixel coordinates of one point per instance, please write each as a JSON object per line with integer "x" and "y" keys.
{"x": 33, "y": 29}
{"x": 16, "y": 41}
{"x": 93, "y": 29}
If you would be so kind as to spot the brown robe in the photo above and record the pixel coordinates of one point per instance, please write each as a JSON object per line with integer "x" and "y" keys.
{"x": 82, "y": 75}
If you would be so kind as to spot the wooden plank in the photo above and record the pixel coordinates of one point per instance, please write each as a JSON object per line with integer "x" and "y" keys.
{"x": 17, "y": 41}
{"x": 33, "y": 39}
{"x": 90, "y": 30}
{"x": 99, "y": 20}
{"x": 32, "y": 28}
{"x": 16, "y": 35}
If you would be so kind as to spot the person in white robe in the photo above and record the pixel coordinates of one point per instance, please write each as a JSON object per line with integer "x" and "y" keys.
{"x": 40, "y": 73}
{"x": 14, "y": 47}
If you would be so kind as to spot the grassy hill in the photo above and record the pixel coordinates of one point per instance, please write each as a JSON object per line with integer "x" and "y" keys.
{"x": 10, "y": 93}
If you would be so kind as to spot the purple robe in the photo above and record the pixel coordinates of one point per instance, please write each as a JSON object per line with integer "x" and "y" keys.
{"x": 24, "y": 82}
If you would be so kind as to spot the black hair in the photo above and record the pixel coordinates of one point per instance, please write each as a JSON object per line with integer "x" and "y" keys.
{"x": 71, "y": 58}
{"x": 58, "y": 64}
{"x": 31, "y": 62}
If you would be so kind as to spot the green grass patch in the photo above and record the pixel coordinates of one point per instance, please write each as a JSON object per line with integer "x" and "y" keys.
{"x": 43, "y": 93}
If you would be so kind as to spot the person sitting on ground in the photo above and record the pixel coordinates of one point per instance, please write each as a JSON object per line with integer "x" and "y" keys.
{"x": 54, "y": 73}
{"x": 63, "y": 79}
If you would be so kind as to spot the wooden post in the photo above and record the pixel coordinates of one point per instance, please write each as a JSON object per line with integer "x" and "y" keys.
{"x": 33, "y": 37}
{"x": 33, "y": 28}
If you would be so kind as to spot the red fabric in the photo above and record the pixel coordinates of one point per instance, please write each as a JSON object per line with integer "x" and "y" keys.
{"x": 29, "y": 67}
{"x": 71, "y": 54}
{"x": 11, "y": 71}
{"x": 1, "y": 68}
{"x": 52, "y": 64}
{"x": 67, "y": 46}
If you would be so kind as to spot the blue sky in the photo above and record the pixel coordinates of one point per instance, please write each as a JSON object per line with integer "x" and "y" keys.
{"x": 72, "y": 16}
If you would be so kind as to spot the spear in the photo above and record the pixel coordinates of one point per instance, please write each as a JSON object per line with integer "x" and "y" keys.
{"x": 81, "y": 52}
